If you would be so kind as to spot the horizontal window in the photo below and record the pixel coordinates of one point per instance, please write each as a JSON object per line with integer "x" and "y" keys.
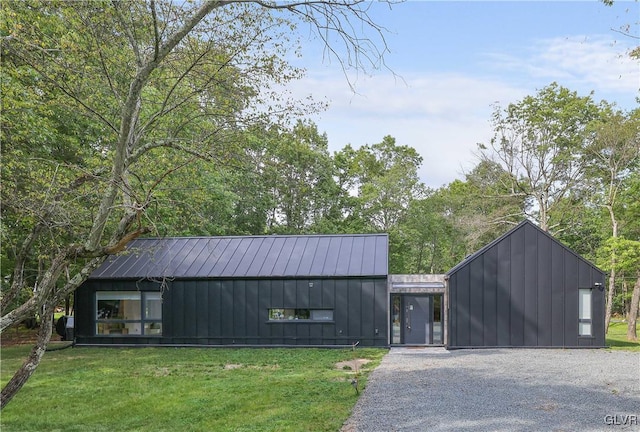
{"x": 300, "y": 314}
{"x": 128, "y": 313}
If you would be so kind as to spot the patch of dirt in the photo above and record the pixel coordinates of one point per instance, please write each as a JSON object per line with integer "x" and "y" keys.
{"x": 231, "y": 366}
{"x": 352, "y": 365}
{"x": 162, "y": 372}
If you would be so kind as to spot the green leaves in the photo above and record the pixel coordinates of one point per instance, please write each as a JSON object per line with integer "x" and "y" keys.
{"x": 540, "y": 142}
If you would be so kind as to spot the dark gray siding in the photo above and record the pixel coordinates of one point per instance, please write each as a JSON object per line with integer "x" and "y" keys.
{"x": 522, "y": 291}
{"x": 235, "y": 311}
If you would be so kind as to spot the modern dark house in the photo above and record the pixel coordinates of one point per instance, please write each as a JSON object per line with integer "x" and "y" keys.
{"x": 259, "y": 290}
{"x": 525, "y": 289}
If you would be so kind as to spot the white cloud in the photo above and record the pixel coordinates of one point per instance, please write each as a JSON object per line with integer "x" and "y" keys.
{"x": 581, "y": 63}
{"x": 444, "y": 115}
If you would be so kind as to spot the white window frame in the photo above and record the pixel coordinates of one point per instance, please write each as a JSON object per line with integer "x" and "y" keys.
{"x": 585, "y": 312}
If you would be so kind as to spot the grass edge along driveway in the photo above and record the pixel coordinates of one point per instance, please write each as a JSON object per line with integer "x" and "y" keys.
{"x": 190, "y": 389}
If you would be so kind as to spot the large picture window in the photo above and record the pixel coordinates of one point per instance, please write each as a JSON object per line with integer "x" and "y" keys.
{"x": 300, "y": 314}
{"x": 584, "y": 312}
{"x": 128, "y": 313}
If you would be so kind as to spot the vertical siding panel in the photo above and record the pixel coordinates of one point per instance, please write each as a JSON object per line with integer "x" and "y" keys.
{"x": 264, "y": 303}
{"x": 214, "y": 311}
{"x": 544, "y": 291}
{"x": 354, "y": 299}
{"x": 381, "y": 319}
{"x": 329, "y": 331}
{"x": 571, "y": 299}
{"x": 517, "y": 288}
{"x": 476, "y": 287}
{"x": 341, "y": 313}
{"x": 557, "y": 295}
{"x": 462, "y": 306}
{"x": 329, "y": 293}
{"x": 584, "y": 275}
{"x": 277, "y": 294}
{"x": 177, "y": 306}
{"x": 289, "y": 293}
{"x": 490, "y": 283}
{"x": 302, "y": 333}
{"x": 85, "y": 312}
{"x": 239, "y": 310}
{"x": 226, "y": 311}
{"x": 598, "y": 308}
{"x": 189, "y": 317}
{"x": 503, "y": 302}
{"x": 452, "y": 333}
{"x": 531, "y": 285}
{"x": 202, "y": 310}
{"x": 288, "y": 333}
{"x": 302, "y": 293}
{"x": 368, "y": 312}
{"x": 315, "y": 294}
{"x": 315, "y": 334}
{"x": 252, "y": 312}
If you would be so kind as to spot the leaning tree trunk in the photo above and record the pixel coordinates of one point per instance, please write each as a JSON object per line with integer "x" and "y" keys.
{"x": 633, "y": 312}
{"x": 612, "y": 274}
{"x": 610, "y": 293}
{"x": 31, "y": 363}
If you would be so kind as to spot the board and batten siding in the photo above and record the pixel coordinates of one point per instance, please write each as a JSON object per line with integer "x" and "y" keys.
{"x": 219, "y": 290}
{"x": 235, "y": 312}
{"x": 522, "y": 291}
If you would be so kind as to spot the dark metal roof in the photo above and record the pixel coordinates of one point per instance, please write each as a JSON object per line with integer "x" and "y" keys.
{"x": 525, "y": 222}
{"x": 250, "y": 256}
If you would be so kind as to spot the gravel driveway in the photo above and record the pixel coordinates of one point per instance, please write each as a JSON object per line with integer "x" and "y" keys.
{"x": 431, "y": 389}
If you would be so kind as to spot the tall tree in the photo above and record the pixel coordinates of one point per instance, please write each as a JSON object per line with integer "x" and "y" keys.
{"x": 427, "y": 241}
{"x": 483, "y": 206}
{"x": 150, "y": 78}
{"x": 614, "y": 153}
{"x": 630, "y": 255}
{"x": 540, "y": 141}
{"x": 299, "y": 173}
{"x": 387, "y": 180}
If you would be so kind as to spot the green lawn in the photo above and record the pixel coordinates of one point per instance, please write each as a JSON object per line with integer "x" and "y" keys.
{"x": 184, "y": 389}
{"x": 193, "y": 389}
{"x": 617, "y": 337}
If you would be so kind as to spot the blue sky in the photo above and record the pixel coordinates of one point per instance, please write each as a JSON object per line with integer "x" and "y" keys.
{"x": 451, "y": 61}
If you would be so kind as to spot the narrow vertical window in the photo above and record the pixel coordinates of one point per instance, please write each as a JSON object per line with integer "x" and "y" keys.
{"x": 395, "y": 318}
{"x": 584, "y": 312}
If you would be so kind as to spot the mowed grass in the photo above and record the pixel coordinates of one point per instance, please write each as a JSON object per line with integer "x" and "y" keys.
{"x": 185, "y": 389}
{"x": 617, "y": 337}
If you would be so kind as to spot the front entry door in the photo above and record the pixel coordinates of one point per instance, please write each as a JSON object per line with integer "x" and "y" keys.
{"x": 417, "y": 316}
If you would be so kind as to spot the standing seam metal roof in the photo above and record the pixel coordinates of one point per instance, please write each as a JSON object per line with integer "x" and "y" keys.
{"x": 525, "y": 222}
{"x": 250, "y": 256}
